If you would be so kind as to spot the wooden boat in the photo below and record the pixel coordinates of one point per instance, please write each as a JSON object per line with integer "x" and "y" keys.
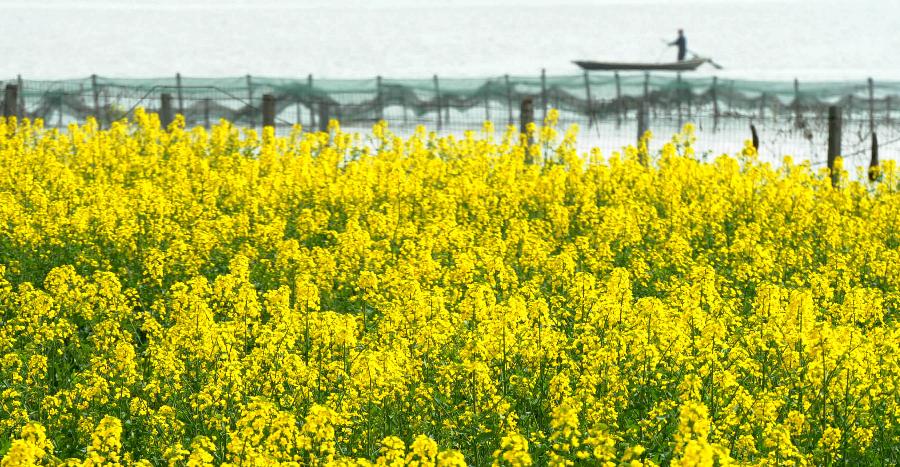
{"x": 685, "y": 65}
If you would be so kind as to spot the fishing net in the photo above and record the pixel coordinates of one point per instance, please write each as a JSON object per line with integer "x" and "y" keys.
{"x": 605, "y": 104}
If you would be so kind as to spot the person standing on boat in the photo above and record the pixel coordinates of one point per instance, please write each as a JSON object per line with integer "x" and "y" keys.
{"x": 681, "y": 42}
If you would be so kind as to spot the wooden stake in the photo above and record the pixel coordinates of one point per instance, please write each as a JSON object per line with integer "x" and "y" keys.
{"x": 620, "y": 105}
{"x": 715, "y": 99}
{"x": 873, "y": 163}
{"x": 268, "y": 110}
{"x": 871, "y": 106}
{"x": 755, "y": 137}
{"x": 834, "y": 140}
{"x": 324, "y": 115}
{"x": 206, "y": 103}
{"x": 379, "y": 110}
{"x": 96, "y": 91}
{"x": 642, "y": 121}
{"x": 590, "y": 103}
{"x": 312, "y": 113}
{"x": 180, "y": 95}
{"x": 526, "y": 117}
{"x": 487, "y": 103}
{"x": 250, "y": 105}
{"x": 646, "y": 100}
{"x": 21, "y": 96}
{"x": 165, "y": 110}
{"x": 437, "y": 101}
{"x": 544, "y": 91}
{"x": 11, "y": 101}
{"x": 509, "y": 102}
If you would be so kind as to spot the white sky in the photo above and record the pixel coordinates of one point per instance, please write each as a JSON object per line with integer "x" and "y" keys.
{"x": 341, "y": 4}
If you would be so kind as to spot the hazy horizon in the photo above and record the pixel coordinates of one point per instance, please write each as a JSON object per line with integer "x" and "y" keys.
{"x": 770, "y": 39}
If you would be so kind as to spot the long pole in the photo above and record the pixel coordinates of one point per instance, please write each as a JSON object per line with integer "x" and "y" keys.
{"x": 509, "y": 103}
{"x": 641, "y": 121}
{"x": 405, "y": 111}
{"x": 437, "y": 100}
{"x": 20, "y": 102}
{"x": 324, "y": 115}
{"x": 310, "y": 100}
{"x": 180, "y": 94}
{"x": 268, "y": 110}
{"x": 871, "y": 106}
{"x": 619, "y": 103}
{"x": 165, "y": 110}
{"x": 487, "y": 102}
{"x": 526, "y": 117}
{"x": 873, "y": 162}
{"x": 206, "y": 122}
{"x": 679, "y": 93}
{"x": 834, "y": 140}
{"x": 486, "y": 99}
{"x": 380, "y": 98}
{"x": 646, "y": 88}
{"x": 11, "y": 101}
{"x": 544, "y": 91}
{"x": 250, "y": 101}
{"x": 96, "y": 92}
{"x": 590, "y": 102}
{"x": 754, "y": 137}
{"x": 59, "y": 115}
{"x": 715, "y": 99}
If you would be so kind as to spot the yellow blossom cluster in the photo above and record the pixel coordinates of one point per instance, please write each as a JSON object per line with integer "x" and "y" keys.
{"x": 173, "y": 296}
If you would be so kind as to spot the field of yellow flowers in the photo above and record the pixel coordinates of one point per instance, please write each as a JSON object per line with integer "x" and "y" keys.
{"x": 206, "y": 297}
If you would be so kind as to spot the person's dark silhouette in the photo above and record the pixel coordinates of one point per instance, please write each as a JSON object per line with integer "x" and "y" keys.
{"x": 681, "y": 42}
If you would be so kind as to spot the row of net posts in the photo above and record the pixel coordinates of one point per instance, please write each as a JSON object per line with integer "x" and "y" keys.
{"x": 642, "y": 115}
{"x": 13, "y": 100}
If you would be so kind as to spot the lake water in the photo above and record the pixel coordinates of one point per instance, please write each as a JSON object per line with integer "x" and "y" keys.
{"x": 753, "y": 39}
{"x": 774, "y": 39}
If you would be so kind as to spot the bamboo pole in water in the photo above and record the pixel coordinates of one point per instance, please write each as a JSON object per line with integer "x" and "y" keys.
{"x": 250, "y": 106}
{"x": 437, "y": 100}
{"x": 311, "y": 100}
{"x": 590, "y": 104}
{"x": 544, "y": 90}
{"x": 180, "y": 94}
{"x": 834, "y": 140}
{"x": 619, "y": 102}
{"x": 509, "y": 101}
{"x": 715, "y": 102}
{"x": 96, "y": 92}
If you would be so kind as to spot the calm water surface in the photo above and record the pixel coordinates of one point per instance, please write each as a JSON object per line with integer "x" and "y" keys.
{"x": 776, "y": 39}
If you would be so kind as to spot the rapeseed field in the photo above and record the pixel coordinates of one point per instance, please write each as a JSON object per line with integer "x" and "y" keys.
{"x": 174, "y": 296}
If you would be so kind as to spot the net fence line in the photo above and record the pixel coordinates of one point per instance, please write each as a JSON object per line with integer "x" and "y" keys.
{"x": 788, "y": 114}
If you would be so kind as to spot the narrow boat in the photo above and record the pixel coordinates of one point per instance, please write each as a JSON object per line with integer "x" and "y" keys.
{"x": 685, "y": 65}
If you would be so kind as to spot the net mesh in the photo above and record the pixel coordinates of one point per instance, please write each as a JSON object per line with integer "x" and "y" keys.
{"x": 788, "y": 115}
